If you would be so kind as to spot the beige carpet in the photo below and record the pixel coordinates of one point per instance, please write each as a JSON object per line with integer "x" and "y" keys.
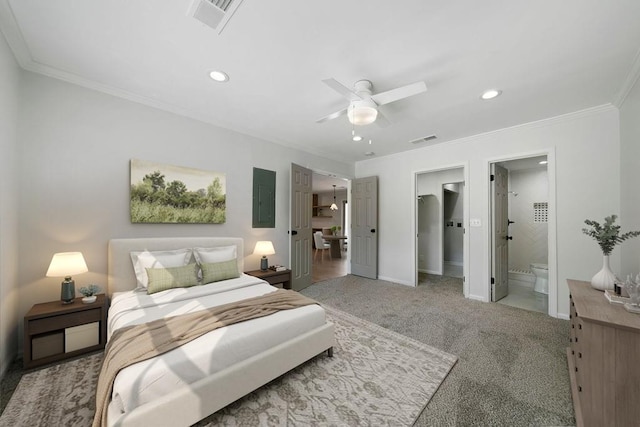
{"x": 376, "y": 377}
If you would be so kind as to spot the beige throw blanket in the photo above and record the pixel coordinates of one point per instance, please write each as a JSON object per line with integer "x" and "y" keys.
{"x": 141, "y": 342}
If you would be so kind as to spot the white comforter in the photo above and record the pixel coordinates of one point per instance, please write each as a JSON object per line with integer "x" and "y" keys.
{"x": 145, "y": 381}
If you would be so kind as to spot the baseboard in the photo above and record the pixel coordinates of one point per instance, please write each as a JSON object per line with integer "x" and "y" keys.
{"x": 563, "y": 316}
{"x": 477, "y": 298}
{"x": 437, "y": 273}
{"x": 456, "y": 263}
{"x": 392, "y": 280}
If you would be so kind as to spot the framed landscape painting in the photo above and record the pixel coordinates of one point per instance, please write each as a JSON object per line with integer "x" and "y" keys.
{"x": 176, "y": 195}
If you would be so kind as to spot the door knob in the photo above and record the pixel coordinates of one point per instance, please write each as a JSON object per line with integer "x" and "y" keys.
{"x": 373, "y": 230}
{"x": 509, "y": 237}
{"x": 510, "y": 222}
{"x": 294, "y": 232}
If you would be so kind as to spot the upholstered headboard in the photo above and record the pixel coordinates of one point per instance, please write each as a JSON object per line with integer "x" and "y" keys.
{"x": 121, "y": 274}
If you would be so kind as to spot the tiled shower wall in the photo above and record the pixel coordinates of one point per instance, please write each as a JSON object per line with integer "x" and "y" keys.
{"x": 530, "y": 237}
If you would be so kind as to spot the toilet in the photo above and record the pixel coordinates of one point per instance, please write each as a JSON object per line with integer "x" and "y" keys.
{"x": 541, "y": 271}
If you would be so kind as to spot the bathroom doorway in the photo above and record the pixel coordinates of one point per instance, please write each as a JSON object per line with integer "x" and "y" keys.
{"x": 441, "y": 208}
{"x": 520, "y": 196}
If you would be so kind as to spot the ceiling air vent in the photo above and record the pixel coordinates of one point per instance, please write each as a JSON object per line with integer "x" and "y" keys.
{"x": 214, "y": 13}
{"x": 424, "y": 139}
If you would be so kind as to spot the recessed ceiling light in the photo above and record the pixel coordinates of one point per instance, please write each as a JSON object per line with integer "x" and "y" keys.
{"x": 490, "y": 94}
{"x": 542, "y": 162}
{"x": 219, "y": 76}
{"x": 357, "y": 138}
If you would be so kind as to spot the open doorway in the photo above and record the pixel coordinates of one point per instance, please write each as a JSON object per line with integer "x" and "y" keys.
{"x": 521, "y": 234}
{"x": 333, "y": 225}
{"x": 441, "y": 209}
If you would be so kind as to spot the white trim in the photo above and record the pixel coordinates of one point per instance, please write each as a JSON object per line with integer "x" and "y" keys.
{"x": 397, "y": 281}
{"x": 9, "y": 28}
{"x": 477, "y": 298}
{"x": 629, "y": 82}
{"x": 456, "y": 263}
{"x": 563, "y": 316}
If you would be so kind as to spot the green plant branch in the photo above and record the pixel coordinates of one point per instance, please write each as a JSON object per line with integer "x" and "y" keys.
{"x": 608, "y": 234}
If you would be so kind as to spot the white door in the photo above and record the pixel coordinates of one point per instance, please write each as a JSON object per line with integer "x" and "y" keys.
{"x": 300, "y": 250}
{"x": 364, "y": 227}
{"x": 499, "y": 232}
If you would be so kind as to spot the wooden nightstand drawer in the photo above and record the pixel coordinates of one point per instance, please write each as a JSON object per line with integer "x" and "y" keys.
{"x": 280, "y": 277}
{"x": 64, "y": 321}
{"x": 273, "y": 277}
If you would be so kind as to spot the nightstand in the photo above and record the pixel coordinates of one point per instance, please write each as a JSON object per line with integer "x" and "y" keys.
{"x": 53, "y": 331}
{"x": 273, "y": 277}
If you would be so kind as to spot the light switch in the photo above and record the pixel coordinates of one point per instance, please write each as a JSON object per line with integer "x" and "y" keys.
{"x": 475, "y": 222}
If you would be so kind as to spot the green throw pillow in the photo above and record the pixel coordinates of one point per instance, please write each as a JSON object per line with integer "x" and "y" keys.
{"x": 161, "y": 279}
{"x": 216, "y": 271}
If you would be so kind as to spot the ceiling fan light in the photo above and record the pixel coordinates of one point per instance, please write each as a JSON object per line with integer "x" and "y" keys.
{"x": 334, "y": 207}
{"x": 362, "y": 115}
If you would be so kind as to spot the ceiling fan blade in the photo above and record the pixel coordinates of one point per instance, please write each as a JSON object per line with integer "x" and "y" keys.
{"x": 381, "y": 120}
{"x": 399, "y": 93}
{"x": 342, "y": 89}
{"x": 332, "y": 116}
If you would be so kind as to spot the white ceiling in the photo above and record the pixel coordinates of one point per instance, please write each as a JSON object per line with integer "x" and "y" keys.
{"x": 324, "y": 183}
{"x": 548, "y": 57}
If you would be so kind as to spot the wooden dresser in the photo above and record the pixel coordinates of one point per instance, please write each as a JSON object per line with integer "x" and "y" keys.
{"x": 604, "y": 359}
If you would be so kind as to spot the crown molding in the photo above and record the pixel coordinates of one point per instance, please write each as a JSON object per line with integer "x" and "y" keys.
{"x": 13, "y": 35}
{"x": 629, "y": 83}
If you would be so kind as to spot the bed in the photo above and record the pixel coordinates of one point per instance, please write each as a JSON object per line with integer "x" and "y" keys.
{"x": 189, "y": 383}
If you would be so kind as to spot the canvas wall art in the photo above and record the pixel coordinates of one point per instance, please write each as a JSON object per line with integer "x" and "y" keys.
{"x": 170, "y": 194}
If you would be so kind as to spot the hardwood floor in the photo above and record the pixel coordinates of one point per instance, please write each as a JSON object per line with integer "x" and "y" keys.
{"x": 327, "y": 268}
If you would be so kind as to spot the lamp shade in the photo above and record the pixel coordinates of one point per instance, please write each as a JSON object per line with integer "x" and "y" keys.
{"x": 264, "y": 247}
{"x": 65, "y": 264}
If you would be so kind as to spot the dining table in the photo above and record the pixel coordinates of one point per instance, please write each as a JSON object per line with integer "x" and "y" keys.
{"x": 334, "y": 241}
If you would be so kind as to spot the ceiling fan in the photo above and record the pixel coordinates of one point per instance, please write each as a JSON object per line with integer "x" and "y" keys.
{"x": 363, "y": 105}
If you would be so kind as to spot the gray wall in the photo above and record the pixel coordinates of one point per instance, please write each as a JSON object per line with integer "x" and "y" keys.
{"x": 629, "y": 178}
{"x": 9, "y": 82}
{"x": 581, "y": 147}
{"x": 74, "y": 153}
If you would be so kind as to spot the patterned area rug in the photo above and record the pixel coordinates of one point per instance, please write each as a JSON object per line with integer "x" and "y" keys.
{"x": 376, "y": 377}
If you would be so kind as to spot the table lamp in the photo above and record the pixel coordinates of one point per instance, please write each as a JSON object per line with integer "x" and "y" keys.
{"x": 66, "y": 264}
{"x": 264, "y": 248}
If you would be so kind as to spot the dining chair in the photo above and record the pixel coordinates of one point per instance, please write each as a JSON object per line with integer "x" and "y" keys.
{"x": 321, "y": 245}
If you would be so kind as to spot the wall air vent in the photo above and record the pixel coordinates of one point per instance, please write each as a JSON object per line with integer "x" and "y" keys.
{"x": 214, "y": 13}
{"x": 424, "y": 139}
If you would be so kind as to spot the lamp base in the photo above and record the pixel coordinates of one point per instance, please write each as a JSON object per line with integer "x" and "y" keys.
{"x": 68, "y": 291}
{"x": 264, "y": 263}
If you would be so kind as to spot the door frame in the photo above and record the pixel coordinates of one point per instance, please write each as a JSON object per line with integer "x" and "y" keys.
{"x": 348, "y": 179}
{"x": 551, "y": 225}
{"x": 414, "y": 224}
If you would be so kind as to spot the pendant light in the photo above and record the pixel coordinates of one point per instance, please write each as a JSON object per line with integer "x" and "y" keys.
{"x": 334, "y": 207}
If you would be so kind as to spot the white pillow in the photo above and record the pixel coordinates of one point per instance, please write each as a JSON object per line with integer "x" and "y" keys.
{"x": 160, "y": 259}
{"x": 217, "y": 254}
